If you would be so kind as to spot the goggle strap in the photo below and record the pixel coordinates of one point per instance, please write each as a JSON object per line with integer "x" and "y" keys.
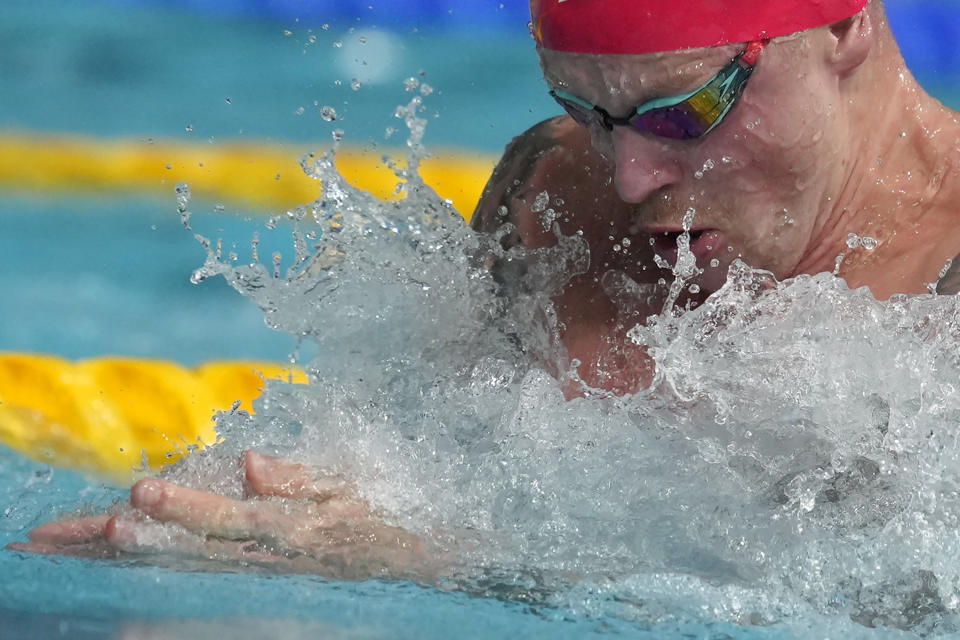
{"x": 753, "y": 50}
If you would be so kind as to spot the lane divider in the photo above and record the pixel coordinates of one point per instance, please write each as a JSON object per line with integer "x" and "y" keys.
{"x": 249, "y": 175}
{"x": 105, "y": 416}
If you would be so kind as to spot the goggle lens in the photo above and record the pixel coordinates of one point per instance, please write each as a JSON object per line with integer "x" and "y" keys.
{"x": 679, "y": 122}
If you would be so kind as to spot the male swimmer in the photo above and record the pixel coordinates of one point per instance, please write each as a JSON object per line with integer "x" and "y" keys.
{"x": 771, "y": 130}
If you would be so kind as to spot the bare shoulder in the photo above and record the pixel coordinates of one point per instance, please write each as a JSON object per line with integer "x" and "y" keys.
{"x": 554, "y": 155}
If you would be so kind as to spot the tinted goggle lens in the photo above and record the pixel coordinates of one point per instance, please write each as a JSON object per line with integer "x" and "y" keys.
{"x": 680, "y": 122}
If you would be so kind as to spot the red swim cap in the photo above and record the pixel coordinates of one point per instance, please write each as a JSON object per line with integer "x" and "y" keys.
{"x": 644, "y": 26}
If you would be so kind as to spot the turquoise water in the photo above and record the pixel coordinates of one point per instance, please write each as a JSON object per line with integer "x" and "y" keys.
{"x": 89, "y": 276}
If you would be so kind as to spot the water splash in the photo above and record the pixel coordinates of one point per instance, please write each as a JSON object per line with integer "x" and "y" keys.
{"x": 794, "y": 463}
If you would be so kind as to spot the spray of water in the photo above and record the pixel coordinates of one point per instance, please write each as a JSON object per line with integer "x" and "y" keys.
{"x": 795, "y": 461}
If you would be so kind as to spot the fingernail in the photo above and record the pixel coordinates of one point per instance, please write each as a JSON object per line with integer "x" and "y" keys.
{"x": 146, "y": 493}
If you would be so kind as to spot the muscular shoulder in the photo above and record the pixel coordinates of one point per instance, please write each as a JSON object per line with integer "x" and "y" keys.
{"x": 533, "y": 160}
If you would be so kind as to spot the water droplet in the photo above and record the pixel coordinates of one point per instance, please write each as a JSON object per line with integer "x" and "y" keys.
{"x": 425, "y": 89}
{"x": 411, "y": 84}
{"x": 189, "y": 127}
{"x": 328, "y": 113}
{"x": 853, "y": 240}
{"x": 694, "y": 288}
{"x": 355, "y": 84}
{"x": 299, "y": 111}
{"x": 337, "y": 44}
{"x": 626, "y": 242}
{"x": 228, "y": 100}
{"x": 714, "y": 263}
{"x": 540, "y": 204}
{"x": 868, "y": 243}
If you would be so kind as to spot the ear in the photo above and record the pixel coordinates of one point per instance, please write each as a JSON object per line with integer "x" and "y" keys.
{"x": 852, "y": 40}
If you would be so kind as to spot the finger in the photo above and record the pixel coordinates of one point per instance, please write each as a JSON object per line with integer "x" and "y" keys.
{"x": 95, "y": 549}
{"x": 205, "y": 513}
{"x": 270, "y": 476}
{"x": 65, "y": 532}
{"x": 144, "y": 537}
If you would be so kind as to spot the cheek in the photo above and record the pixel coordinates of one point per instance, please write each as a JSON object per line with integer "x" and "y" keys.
{"x": 770, "y": 153}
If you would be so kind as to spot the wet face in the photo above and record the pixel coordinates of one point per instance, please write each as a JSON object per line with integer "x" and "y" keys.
{"x": 760, "y": 183}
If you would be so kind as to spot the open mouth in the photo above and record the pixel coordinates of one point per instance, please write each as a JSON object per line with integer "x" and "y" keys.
{"x": 667, "y": 240}
{"x": 702, "y": 242}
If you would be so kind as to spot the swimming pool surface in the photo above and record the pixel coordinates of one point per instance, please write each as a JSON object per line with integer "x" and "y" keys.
{"x": 88, "y": 274}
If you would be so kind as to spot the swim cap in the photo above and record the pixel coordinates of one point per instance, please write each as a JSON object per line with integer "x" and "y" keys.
{"x": 644, "y": 26}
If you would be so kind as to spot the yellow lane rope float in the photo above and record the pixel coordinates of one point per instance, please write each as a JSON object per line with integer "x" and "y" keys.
{"x": 251, "y": 175}
{"x": 104, "y": 416}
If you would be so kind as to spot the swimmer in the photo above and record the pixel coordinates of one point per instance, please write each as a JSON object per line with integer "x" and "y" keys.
{"x": 776, "y": 129}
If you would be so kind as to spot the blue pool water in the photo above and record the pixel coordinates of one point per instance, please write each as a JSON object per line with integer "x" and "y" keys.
{"x": 91, "y": 275}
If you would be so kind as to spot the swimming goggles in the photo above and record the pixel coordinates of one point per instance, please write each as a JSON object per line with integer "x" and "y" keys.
{"x": 683, "y": 117}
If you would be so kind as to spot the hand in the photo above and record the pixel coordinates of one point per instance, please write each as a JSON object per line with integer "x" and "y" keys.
{"x": 291, "y": 520}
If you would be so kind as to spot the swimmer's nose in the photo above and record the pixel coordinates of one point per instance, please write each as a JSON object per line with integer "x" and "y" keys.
{"x": 643, "y": 165}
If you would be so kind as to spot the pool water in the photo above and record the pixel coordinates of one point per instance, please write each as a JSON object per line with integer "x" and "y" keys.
{"x": 87, "y": 276}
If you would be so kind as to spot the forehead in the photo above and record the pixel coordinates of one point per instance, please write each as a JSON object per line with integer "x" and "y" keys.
{"x": 606, "y": 78}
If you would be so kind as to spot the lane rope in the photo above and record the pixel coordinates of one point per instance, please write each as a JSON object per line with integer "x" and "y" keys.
{"x": 107, "y": 416}
{"x": 254, "y": 176}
